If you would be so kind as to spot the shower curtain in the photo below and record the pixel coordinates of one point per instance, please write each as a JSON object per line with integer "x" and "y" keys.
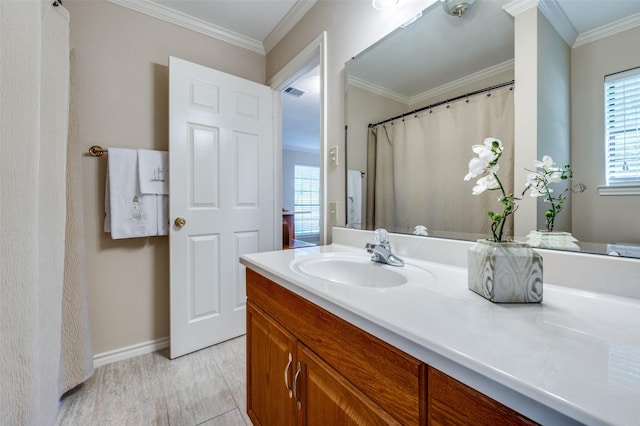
{"x": 41, "y": 291}
{"x": 416, "y": 166}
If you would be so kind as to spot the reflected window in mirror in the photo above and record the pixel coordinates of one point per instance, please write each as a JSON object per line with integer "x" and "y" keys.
{"x": 622, "y": 124}
{"x": 307, "y": 203}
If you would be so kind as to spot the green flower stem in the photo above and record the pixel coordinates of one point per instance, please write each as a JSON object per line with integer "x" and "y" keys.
{"x": 499, "y": 224}
{"x": 552, "y": 218}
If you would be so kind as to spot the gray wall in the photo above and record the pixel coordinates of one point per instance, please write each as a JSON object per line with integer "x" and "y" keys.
{"x": 554, "y": 111}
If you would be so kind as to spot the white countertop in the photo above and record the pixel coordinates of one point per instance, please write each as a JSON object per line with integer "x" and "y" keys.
{"x": 577, "y": 354}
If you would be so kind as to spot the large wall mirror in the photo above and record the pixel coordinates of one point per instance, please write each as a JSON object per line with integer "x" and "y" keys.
{"x": 417, "y": 100}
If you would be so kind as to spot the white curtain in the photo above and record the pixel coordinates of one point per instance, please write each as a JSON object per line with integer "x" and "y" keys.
{"x": 76, "y": 363}
{"x": 34, "y": 59}
{"x": 417, "y": 165}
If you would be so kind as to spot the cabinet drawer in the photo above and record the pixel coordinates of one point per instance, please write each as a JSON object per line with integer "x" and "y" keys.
{"x": 392, "y": 379}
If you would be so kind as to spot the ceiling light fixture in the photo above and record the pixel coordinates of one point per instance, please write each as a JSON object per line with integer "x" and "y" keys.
{"x": 384, "y": 4}
{"x": 457, "y": 7}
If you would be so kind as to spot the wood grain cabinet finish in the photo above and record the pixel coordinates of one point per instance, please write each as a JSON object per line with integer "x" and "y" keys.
{"x": 453, "y": 403}
{"x": 270, "y": 368}
{"x": 306, "y": 366}
{"x": 327, "y": 398}
{"x": 289, "y": 384}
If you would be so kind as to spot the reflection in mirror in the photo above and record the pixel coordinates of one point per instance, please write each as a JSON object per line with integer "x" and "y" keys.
{"x": 398, "y": 181}
{"x": 413, "y": 140}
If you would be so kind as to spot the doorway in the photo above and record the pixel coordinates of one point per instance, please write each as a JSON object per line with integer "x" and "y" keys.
{"x": 301, "y": 205}
{"x": 300, "y": 99}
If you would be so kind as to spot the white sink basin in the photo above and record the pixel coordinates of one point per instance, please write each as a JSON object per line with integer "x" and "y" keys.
{"x": 357, "y": 270}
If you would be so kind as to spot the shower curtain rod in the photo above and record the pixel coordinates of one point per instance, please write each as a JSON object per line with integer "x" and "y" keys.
{"x": 446, "y": 101}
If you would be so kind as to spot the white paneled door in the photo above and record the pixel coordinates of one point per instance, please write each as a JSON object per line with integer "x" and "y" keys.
{"x": 221, "y": 198}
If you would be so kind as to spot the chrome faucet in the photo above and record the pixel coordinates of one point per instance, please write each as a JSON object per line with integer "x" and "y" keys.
{"x": 381, "y": 252}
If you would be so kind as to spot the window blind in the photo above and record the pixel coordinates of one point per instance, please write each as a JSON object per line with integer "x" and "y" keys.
{"x": 622, "y": 126}
{"x": 307, "y": 200}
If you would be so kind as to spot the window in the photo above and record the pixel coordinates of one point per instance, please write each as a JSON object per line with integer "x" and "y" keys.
{"x": 307, "y": 200}
{"x": 622, "y": 127}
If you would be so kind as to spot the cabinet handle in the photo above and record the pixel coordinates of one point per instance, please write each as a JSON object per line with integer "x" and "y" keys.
{"x": 296, "y": 395}
{"x": 286, "y": 375}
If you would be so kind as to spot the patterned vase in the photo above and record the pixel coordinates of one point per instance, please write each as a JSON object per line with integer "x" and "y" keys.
{"x": 505, "y": 272}
{"x": 553, "y": 239}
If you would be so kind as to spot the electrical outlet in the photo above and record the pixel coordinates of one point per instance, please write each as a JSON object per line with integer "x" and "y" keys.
{"x": 333, "y": 155}
{"x": 333, "y": 212}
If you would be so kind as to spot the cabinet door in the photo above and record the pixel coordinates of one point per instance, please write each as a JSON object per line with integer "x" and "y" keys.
{"x": 270, "y": 370}
{"x": 453, "y": 403}
{"x": 327, "y": 398}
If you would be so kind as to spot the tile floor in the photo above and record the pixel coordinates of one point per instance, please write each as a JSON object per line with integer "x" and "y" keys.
{"x": 203, "y": 388}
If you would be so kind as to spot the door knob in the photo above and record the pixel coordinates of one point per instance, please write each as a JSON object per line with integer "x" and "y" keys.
{"x": 180, "y": 222}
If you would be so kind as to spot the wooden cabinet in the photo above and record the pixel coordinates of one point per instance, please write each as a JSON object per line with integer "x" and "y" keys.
{"x": 270, "y": 369}
{"x": 327, "y": 398}
{"x": 453, "y": 403}
{"x": 306, "y": 366}
{"x": 345, "y": 373}
{"x": 289, "y": 384}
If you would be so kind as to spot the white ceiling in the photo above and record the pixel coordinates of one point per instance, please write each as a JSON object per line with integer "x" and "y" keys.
{"x": 256, "y": 25}
{"x": 254, "y": 19}
{"x": 587, "y": 15}
{"x": 444, "y": 48}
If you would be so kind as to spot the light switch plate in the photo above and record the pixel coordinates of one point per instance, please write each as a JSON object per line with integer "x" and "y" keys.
{"x": 333, "y": 212}
{"x": 333, "y": 155}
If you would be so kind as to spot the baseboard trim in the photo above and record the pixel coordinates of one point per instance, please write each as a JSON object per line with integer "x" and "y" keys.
{"x": 127, "y": 352}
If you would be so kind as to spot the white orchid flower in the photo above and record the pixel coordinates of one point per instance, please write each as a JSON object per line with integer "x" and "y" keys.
{"x": 488, "y": 152}
{"x": 535, "y": 192}
{"x": 554, "y": 176}
{"x": 547, "y": 163}
{"x": 484, "y": 183}
{"x": 477, "y": 167}
{"x": 484, "y": 153}
{"x": 489, "y": 142}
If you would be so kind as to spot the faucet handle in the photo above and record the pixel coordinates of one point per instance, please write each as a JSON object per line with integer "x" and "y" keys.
{"x": 381, "y": 236}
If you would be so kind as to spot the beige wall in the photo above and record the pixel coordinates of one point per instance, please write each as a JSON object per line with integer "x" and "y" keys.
{"x": 121, "y": 59}
{"x": 351, "y": 27}
{"x": 377, "y": 108}
{"x": 595, "y": 217}
{"x": 526, "y": 112}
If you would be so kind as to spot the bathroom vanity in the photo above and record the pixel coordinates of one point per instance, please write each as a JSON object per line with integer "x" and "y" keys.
{"x": 428, "y": 350}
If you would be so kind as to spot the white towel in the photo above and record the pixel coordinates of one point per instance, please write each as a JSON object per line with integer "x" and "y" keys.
{"x": 354, "y": 199}
{"x": 129, "y": 213}
{"x": 153, "y": 176}
{"x": 162, "y": 214}
{"x": 153, "y": 171}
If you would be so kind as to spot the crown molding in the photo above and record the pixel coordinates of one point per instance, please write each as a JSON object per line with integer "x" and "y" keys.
{"x": 551, "y": 10}
{"x": 462, "y": 82}
{"x": 558, "y": 20}
{"x": 608, "y": 30}
{"x": 377, "y": 90}
{"x": 300, "y": 8}
{"x": 516, "y": 7}
{"x": 178, "y": 18}
{"x": 445, "y": 88}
